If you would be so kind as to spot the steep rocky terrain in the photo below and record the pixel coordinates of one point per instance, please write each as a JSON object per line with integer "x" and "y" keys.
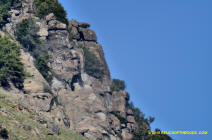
{"x": 69, "y": 97}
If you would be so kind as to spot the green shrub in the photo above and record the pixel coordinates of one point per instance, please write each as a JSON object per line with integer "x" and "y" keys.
{"x": 4, "y": 133}
{"x": 93, "y": 66}
{"x": 41, "y": 64}
{"x": 5, "y": 6}
{"x": 141, "y": 130}
{"x": 117, "y": 85}
{"x": 11, "y": 67}
{"x": 26, "y": 33}
{"x": 45, "y": 7}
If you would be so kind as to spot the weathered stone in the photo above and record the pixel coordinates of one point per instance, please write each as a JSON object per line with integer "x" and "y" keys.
{"x": 129, "y": 112}
{"x": 130, "y": 126}
{"x": 101, "y": 116}
{"x": 130, "y": 119}
{"x": 43, "y": 32}
{"x": 50, "y": 17}
{"x": 115, "y": 123}
{"x": 54, "y": 128}
{"x": 84, "y": 25}
{"x": 35, "y": 82}
{"x": 56, "y": 25}
{"x": 88, "y": 34}
{"x": 74, "y": 23}
{"x": 126, "y": 135}
{"x": 74, "y": 34}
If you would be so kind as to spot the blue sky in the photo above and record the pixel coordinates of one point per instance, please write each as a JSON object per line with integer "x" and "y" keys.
{"x": 162, "y": 49}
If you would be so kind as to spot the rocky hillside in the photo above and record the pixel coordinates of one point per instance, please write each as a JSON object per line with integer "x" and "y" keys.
{"x": 62, "y": 84}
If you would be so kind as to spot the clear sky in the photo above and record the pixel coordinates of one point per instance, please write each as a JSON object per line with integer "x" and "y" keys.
{"x": 162, "y": 49}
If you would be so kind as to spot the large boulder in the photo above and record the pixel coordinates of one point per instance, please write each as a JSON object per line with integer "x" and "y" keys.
{"x": 74, "y": 33}
{"x": 88, "y": 34}
{"x": 84, "y": 25}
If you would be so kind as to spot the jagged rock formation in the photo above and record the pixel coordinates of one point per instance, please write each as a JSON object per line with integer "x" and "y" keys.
{"x": 74, "y": 100}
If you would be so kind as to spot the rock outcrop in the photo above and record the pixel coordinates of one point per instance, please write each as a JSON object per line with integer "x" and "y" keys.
{"x": 74, "y": 100}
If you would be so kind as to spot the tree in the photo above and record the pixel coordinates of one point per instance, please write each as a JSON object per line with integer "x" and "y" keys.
{"x": 41, "y": 64}
{"x": 26, "y": 33}
{"x": 117, "y": 85}
{"x": 45, "y": 7}
{"x": 11, "y": 67}
{"x": 5, "y": 6}
{"x": 93, "y": 65}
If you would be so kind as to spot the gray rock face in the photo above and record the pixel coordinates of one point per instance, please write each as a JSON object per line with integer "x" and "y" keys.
{"x": 80, "y": 31}
{"x": 88, "y": 34}
{"x": 74, "y": 99}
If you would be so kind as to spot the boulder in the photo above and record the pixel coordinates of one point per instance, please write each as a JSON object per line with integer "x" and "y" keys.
{"x": 130, "y": 112}
{"x": 43, "y": 32}
{"x": 84, "y": 25}
{"x": 130, "y": 119}
{"x": 50, "y": 17}
{"x": 88, "y": 34}
{"x": 74, "y": 34}
{"x": 126, "y": 135}
{"x": 56, "y": 25}
{"x": 74, "y": 23}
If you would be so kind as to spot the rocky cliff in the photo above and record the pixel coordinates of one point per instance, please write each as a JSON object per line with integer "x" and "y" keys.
{"x": 74, "y": 98}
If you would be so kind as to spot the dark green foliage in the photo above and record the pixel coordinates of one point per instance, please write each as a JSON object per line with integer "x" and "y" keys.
{"x": 151, "y": 119}
{"x": 117, "y": 85}
{"x": 11, "y": 67}
{"x": 26, "y": 33}
{"x": 41, "y": 64}
{"x": 5, "y": 6}
{"x": 93, "y": 66}
{"x": 45, "y": 7}
{"x": 142, "y": 124}
{"x": 119, "y": 134}
{"x": 4, "y": 133}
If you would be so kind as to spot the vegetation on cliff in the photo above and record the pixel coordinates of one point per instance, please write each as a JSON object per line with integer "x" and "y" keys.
{"x": 5, "y": 6}
{"x": 42, "y": 66}
{"x": 26, "y": 33}
{"x": 142, "y": 128}
{"x": 11, "y": 68}
{"x": 45, "y": 7}
{"x": 93, "y": 66}
{"x": 117, "y": 85}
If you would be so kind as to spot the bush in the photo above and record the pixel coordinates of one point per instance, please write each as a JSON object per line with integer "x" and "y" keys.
{"x": 41, "y": 64}
{"x": 142, "y": 126}
{"x": 93, "y": 66}
{"x": 117, "y": 85}
{"x": 5, "y": 6}
{"x": 141, "y": 130}
{"x": 45, "y": 7}
{"x": 4, "y": 133}
{"x": 11, "y": 67}
{"x": 26, "y": 33}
